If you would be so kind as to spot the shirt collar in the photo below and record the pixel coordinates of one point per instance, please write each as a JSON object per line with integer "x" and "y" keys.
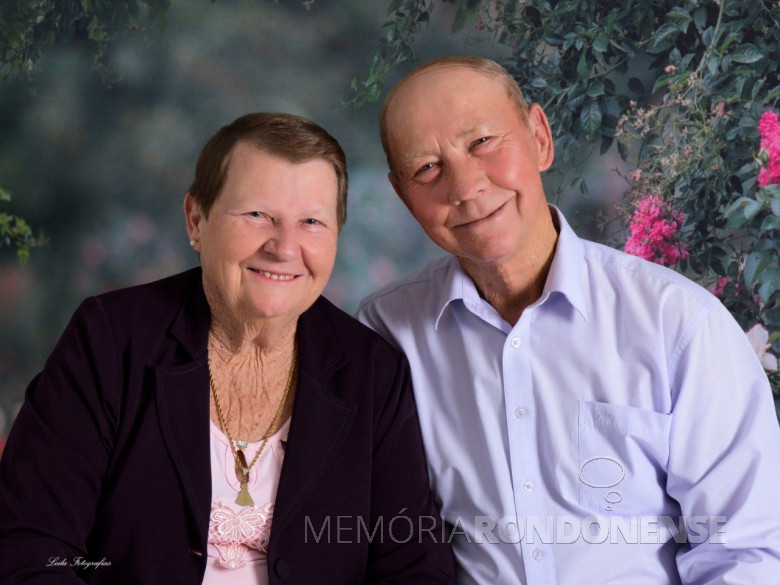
{"x": 567, "y": 276}
{"x": 568, "y": 272}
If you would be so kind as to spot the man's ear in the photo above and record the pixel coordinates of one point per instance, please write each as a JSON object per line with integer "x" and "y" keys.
{"x": 540, "y": 129}
{"x": 393, "y": 178}
{"x": 193, "y": 215}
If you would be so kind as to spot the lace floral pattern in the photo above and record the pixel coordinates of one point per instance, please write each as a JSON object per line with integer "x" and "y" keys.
{"x": 232, "y": 533}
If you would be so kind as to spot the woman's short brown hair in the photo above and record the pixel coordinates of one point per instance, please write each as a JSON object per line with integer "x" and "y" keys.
{"x": 291, "y": 137}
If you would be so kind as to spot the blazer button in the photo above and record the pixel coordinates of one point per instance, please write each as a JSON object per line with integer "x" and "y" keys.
{"x": 282, "y": 568}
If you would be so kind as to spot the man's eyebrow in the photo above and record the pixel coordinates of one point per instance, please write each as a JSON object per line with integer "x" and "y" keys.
{"x": 466, "y": 132}
{"x": 409, "y": 158}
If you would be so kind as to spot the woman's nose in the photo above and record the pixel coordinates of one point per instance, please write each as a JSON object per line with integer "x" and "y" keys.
{"x": 283, "y": 244}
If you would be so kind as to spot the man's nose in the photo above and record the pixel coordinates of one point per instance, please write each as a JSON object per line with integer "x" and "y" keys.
{"x": 284, "y": 244}
{"x": 467, "y": 181}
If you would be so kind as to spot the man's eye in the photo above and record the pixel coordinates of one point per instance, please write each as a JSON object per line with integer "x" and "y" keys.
{"x": 426, "y": 167}
{"x": 311, "y": 221}
{"x": 256, "y": 214}
{"x": 479, "y": 141}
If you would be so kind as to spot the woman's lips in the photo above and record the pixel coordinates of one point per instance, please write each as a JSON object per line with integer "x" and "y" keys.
{"x": 274, "y": 275}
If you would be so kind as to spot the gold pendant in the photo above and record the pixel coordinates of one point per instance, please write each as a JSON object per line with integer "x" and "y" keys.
{"x": 244, "y": 499}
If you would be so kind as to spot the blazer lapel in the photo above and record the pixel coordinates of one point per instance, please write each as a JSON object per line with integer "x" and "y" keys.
{"x": 183, "y": 410}
{"x": 320, "y": 420}
{"x": 183, "y": 405}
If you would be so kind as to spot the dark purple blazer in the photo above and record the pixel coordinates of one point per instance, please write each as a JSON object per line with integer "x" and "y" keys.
{"x": 106, "y": 475}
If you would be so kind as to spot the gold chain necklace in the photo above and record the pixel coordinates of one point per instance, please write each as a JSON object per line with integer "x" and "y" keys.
{"x": 237, "y": 447}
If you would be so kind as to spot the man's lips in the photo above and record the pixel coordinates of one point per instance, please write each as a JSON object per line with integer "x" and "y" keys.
{"x": 274, "y": 275}
{"x": 475, "y": 222}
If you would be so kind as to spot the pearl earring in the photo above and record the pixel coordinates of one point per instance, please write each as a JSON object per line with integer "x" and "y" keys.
{"x": 193, "y": 243}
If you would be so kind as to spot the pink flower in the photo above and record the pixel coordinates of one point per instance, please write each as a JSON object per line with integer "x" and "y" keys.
{"x": 720, "y": 285}
{"x": 655, "y": 232}
{"x": 769, "y": 128}
{"x": 759, "y": 339}
{"x": 480, "y": 25}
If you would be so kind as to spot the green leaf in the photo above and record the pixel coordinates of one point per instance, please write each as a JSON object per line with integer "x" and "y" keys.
{"x": 755, "y": 264}
{"x": 595, "y": 89}
{"x": 700, "y": 17}
{"x": 772, "y": 317}
{"x": 590, "y": 119}
{"x": 663, "y": 38}
{"x": 752, "y": 209}
{"x": 635, "y": 85}
{"x": 768, "y": 283}
{"x": 747, "y": 53}
{"x": 459, "y": 21}
{"x": 741, "y": 211}
{"x": 582, "y": 65}
{"x": 681, "y": 17}
{"x": 770, "y": 223}
{"x": 661, "y": 82}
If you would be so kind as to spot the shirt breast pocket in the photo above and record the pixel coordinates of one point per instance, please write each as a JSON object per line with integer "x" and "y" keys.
{"x": 623, "y": 457}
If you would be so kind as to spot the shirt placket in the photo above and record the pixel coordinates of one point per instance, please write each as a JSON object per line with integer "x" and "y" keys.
{"x": 522, "y": 430}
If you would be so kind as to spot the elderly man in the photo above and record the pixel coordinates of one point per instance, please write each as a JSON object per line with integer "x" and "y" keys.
{"x": 588, "y": 417}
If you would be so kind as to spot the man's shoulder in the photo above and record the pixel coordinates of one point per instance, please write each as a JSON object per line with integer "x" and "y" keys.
{"x": 625, "y": 271}
{"x": 412, "y": 293}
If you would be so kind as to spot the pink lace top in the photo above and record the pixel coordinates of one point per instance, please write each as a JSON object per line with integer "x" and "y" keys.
{"x": 238, "y": 535}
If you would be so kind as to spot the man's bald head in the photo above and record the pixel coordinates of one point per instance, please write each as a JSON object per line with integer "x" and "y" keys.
{"x": 489, "y": 68}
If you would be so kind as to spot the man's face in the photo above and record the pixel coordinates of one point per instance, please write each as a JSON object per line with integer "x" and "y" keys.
{"x": 467, "y": 166}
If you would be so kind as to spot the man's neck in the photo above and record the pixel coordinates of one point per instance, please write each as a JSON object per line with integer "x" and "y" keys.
{"x": 517, "y": 283}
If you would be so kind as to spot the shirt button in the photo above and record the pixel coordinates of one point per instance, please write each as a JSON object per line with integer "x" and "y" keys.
{"x": 537, "y": 555}
{"x": 528, "y": 486}
{"x": 515, "y": 342}
{"x": 519, "y": 412}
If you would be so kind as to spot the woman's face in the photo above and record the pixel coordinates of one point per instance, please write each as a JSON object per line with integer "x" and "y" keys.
{"x": 269, "y": 243}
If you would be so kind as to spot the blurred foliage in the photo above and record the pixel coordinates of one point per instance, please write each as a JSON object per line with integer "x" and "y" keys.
{"x": 14, "y": 231}
{"x": 30, "y": 28}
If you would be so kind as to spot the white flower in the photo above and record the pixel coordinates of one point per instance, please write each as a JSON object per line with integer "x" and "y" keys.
{"x": 759, "y": 339}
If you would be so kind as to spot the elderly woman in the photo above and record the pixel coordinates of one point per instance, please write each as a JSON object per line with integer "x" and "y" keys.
{"x": 227, "y": 424}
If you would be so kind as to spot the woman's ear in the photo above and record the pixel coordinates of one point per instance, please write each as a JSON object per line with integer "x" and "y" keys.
{"x": 540, "y": 129}
{"x": 193, "y": 215}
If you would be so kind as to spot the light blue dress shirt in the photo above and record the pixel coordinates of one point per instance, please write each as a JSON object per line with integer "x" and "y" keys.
{"x": 567, "y": 449}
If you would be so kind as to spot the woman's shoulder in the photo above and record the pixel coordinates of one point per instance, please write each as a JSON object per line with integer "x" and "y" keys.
{"x": 170, "y": 288}
{"x": 144, "y": 306}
